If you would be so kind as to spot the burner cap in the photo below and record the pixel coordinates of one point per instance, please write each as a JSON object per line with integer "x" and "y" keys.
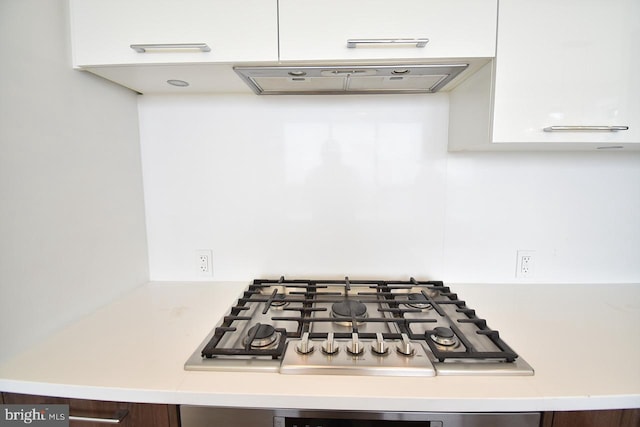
{"x": 418, "y": 301}
{"x": 349, "y": 308}
{"x": 278, "y": 301}
{"x": 426, "y": 289}
{"x": 265, "y": 335}
{"x": 444, "y": 337}
{"x": 262, "y": 331}
{"x": 443, "y": 332}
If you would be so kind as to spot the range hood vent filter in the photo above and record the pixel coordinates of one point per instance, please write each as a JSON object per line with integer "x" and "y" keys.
{"x": 349, "y": 79}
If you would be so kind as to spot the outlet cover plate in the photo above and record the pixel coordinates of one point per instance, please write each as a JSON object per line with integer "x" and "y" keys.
{"x": 525, "y": 264}
{"x": 204, "y": 263}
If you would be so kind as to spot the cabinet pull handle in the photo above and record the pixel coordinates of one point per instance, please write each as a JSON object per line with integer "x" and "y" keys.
{"x": 117, "y": 418}
{"x": 142, "y": 48}
{"x": 585, "y": 128}
{"x": 353, "y": 43}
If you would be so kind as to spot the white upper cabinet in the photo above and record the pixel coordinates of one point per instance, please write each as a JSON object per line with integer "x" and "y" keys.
{"x": 312, "y": 30}
{"x": 565, "y": 77}
{"x": 173, "y": 31}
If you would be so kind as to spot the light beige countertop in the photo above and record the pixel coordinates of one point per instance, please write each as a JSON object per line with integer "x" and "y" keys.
{"x": 582, "y": 341}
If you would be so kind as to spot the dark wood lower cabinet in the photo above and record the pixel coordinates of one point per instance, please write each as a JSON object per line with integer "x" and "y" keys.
{"x": 612, "y": 418}
{"x": 138, "y": 414}
{"x": 157, "y": 415}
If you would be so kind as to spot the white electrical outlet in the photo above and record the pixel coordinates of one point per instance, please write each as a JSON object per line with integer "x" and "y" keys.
{"x": 525, "y": 264}
{"x": 204, "y": 263}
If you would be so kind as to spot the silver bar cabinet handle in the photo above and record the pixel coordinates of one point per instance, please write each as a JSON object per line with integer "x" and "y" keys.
{"x": 353, "y": 43}
{"x": 585, "y": 128}
{"x": 117, "y": 418}
{"x": 142, "y": 48}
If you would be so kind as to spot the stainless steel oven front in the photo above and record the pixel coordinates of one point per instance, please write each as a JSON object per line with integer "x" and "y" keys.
{"x": 205, "y": 416}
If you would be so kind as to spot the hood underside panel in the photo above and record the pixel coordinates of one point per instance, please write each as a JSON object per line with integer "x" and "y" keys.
{"x": 289, "y": 80}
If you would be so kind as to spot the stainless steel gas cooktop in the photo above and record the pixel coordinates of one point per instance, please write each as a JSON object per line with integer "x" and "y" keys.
{"x": 355, "y": 327}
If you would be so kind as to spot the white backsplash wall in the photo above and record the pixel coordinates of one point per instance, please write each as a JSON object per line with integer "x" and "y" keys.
{"x": 328, "y": 186}
{"x": 579, "y": 212}
{"x": 322, "y": 186}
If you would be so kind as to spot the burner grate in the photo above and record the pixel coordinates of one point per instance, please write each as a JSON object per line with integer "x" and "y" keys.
{"x": 394, "y": 309}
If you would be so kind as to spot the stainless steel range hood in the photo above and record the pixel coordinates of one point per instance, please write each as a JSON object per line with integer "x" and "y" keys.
{"x": 343, "y": 79}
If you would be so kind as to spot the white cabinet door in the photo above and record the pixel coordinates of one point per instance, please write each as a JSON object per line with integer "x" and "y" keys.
{"x": 564, "y": 64}
{"x": 567, "y": 63}
{"x": 319, "y": 30}
{"x": 103, "y": 30}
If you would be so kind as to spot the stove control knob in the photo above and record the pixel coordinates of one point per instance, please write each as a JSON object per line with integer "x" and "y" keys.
{"x": 329, "y": 345}
{"x": 379, "y": 346}
{"x": 304, "y": 346}
{"x": 405, "y": 347}
{"x": 354, "y": 346}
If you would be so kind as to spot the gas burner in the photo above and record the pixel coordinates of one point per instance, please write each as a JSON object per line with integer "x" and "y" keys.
{"x": 265, "y": 335}
{"x": 346, "y": 310}
{"x": 444, "y": 337}
{"x": 426, "y": 289}
{"x": 278, "y": 302}
{"x": 419, "y": 301}
{"x": 349, "y": 308}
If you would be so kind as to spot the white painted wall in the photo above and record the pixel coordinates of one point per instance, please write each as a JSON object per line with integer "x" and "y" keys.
{"x": 364, "y": 186}
{"x": 72, "y": 234}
